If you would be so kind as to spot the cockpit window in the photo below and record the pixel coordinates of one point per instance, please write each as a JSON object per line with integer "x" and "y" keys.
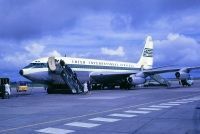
{"x": 37, "y": 65}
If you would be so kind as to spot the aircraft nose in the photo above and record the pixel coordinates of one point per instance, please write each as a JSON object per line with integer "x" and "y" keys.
{"x": 21, "y": 72}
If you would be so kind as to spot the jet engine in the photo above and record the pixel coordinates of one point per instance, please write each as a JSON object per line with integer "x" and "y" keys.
{"x": 183, "y": 74}
{"x": 136, "y": 79}
{"x": 184, "y": 77}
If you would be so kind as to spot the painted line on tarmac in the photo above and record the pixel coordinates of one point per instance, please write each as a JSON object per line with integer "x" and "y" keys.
{"x": 82, "y": 124}
{"x": 123, "y": 115}
{"x": 151, "y": 109}
{"x": 111, "y": 110}
{"x": 51, "y": 130}
{"x": 160, "y": 106}
{"x": 137, "y": 112}
{"x": 104, "y": 119}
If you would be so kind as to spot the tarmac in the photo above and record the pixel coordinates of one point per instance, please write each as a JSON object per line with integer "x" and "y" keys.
{"x": 152, "y": 110}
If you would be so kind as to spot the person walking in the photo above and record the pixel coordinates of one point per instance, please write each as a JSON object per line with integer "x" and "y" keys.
{"x": 85, "y": 86}
{"x": 7, "y": 88}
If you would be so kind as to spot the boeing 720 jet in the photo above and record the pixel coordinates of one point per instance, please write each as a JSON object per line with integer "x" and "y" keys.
{"x": 100, "y": 72}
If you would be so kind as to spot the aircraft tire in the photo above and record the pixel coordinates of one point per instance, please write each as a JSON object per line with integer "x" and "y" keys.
{"x": 49, "y": 90}
{"x": 102, "y": 86}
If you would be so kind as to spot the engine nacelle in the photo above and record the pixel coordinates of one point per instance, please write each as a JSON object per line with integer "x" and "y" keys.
{"x": 136, "y": 80}
{"x": 183, "y": 74}
{"x": 184, "y": 77}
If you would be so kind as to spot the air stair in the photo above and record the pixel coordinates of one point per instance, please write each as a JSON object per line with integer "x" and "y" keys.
{"x": 160, "y": 80}
{"x": 68, "y": 76}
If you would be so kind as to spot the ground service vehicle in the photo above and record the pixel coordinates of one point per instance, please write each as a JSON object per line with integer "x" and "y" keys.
{"x": 22, "y": 86}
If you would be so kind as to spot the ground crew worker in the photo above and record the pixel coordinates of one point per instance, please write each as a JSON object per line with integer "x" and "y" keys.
{"x": 7, "y": 89}
{"x": 88, "y": 86}
{"x": 85, "y": 87}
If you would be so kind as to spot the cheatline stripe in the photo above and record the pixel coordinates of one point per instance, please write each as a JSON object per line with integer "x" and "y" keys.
{"x": 137, "y": 112}
{"x": 104, "y": 119}
{"x": 83, "y": 124}
{"x": 85, "y": 115}
{"x": 51, "y": 130}
{"x": 102, "y": 67}
{"x": 153, "y": 109}
{"x": 122, "y": 115}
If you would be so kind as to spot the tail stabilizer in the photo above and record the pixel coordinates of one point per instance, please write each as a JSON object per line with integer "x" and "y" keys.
{"x": 146, "y": 59}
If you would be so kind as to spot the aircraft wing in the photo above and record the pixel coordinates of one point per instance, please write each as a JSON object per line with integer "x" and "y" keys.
{"x": 166, "y": 70}
{"x": 140, "y": 75}
{"x": 146, "y": 72}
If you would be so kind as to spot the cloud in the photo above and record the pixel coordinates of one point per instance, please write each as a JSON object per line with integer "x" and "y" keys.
{"x": 29, "y": 52}
{"x": 34, "y": 49}
{"x": 54, "y": 53}
{"x": 38, "y": 28}
{"x": 173, "y": 37}
{"x": 117, "y": 52}
{"x": 177, "y": 49}
{"x": 38, "y": 18}
{"x": 23, "y": 55}
{"x": 95, "y": 30}
{"x": 34, "y": 19}
{"x": 15, "y": 59}
{"x": 80, "y": 55}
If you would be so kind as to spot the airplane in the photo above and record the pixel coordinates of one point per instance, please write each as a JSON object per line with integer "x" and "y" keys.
{"x": 104, "y": 73}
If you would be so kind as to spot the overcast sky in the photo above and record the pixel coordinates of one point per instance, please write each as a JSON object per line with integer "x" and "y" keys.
{"x": 102, "y": 29}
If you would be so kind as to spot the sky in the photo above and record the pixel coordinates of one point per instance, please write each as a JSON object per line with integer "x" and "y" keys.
{"x": 100, "y": 29}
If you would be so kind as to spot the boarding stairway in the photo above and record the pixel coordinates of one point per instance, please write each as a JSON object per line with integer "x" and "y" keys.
{"x": 160, "y": 80}
{"x": 68, "y": 76}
